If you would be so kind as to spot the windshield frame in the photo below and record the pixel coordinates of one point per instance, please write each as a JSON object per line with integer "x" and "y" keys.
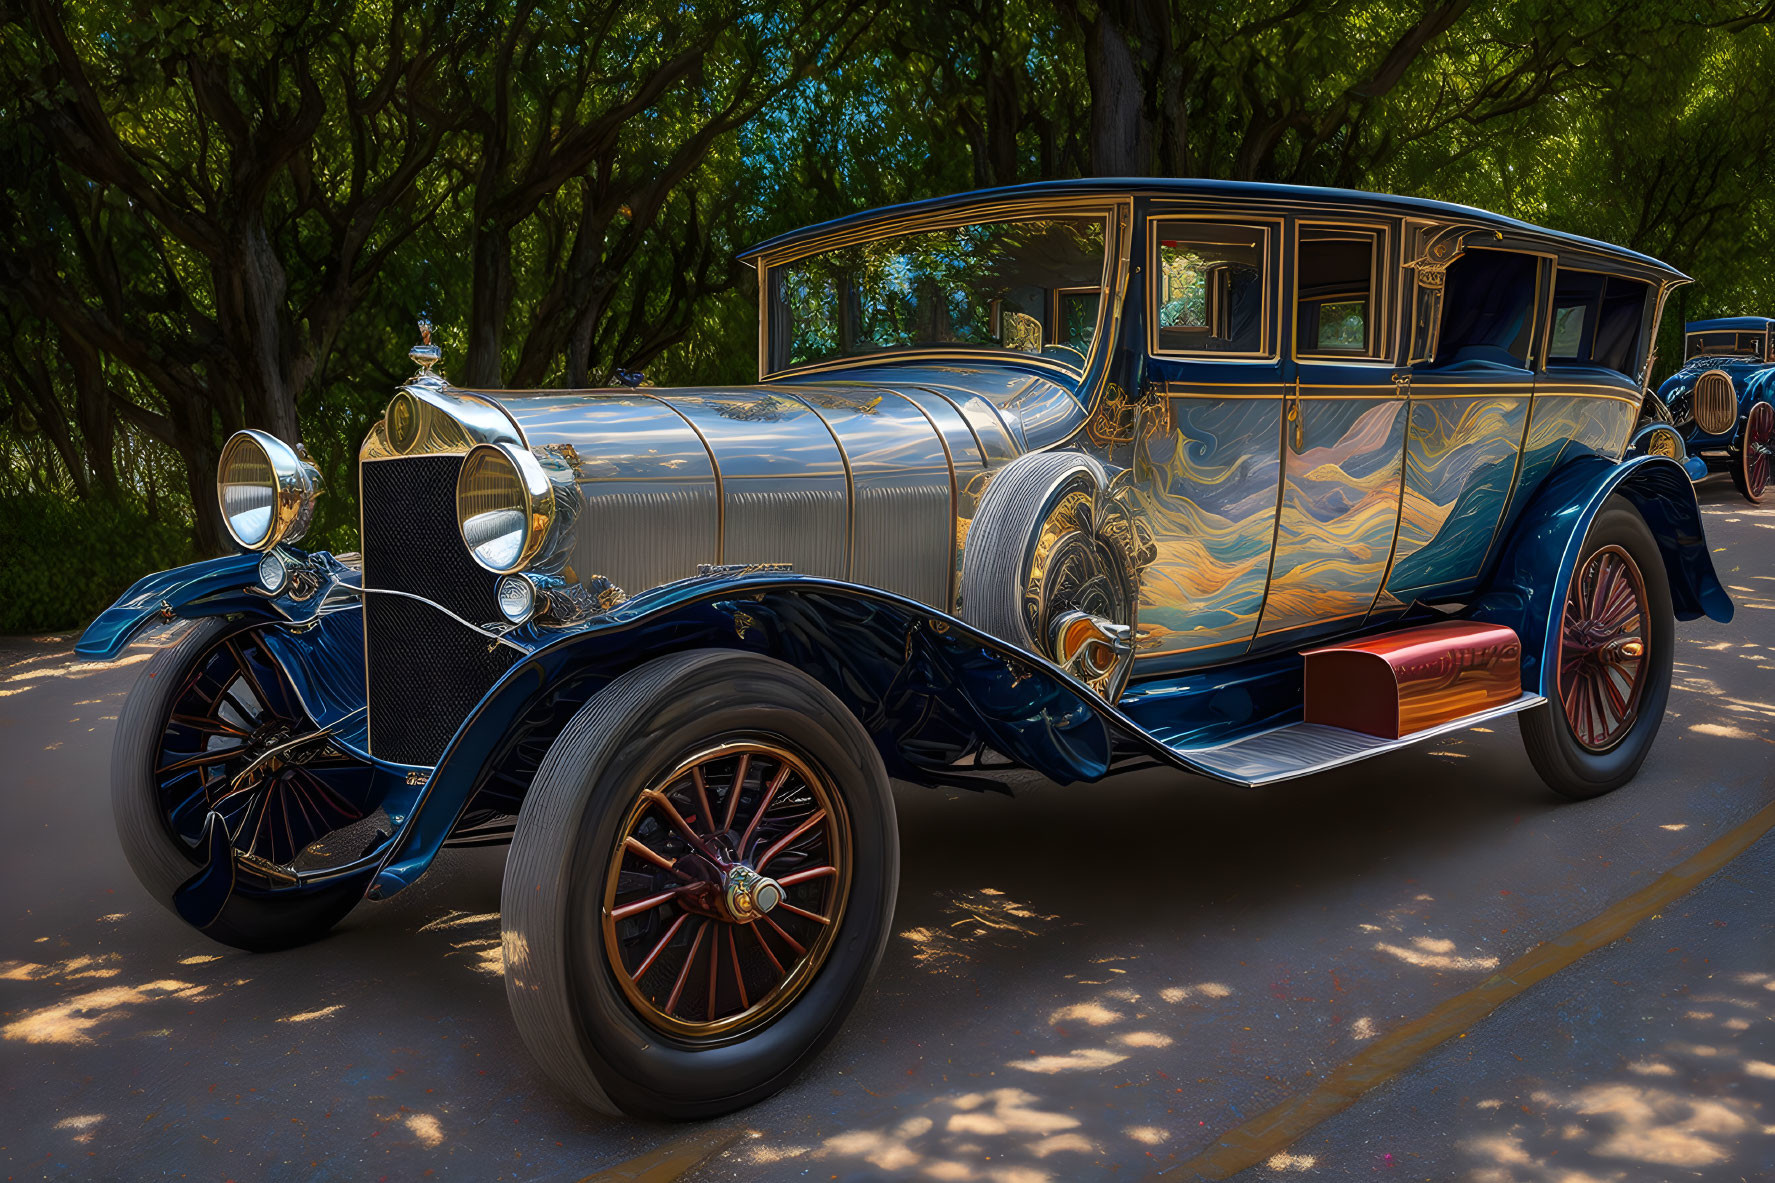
{"x": 1116, "y": 213}
{"x": 1761, "y": 355}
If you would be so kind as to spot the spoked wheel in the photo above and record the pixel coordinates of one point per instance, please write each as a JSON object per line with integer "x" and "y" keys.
{"x": 1751, "y": 459}
{"x": 1616, "y": 637}
{"x": 215, "y": 726}
{"x": 728, "y": 889}
{"x": 1602, "y": 649}
{"x": 700, "y": 883}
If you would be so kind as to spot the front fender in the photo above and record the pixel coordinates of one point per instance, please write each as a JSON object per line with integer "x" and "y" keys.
{"x": 929, "y": 689}
{"x": 1528, "y": 591}
{"x": 213, "y": 587}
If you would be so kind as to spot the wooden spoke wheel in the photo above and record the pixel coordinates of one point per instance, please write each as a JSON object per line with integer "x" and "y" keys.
{"x": 1610, "y": 653}
{"x": 726, "y": 887}
{"x": 700, "y": 883}
{"x": 1751, "y": 459}
{"x": 1603, "y": 648}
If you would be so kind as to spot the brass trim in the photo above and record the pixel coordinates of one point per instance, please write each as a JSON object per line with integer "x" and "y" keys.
{"x": 1271, "y": 229}
{"x": 537, "y": 493}
{"x": 1382, "y": 329}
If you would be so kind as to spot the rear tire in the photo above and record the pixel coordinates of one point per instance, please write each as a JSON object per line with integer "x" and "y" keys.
{"x": 624, "y": 1046}
{"x": 1578, "y": 742}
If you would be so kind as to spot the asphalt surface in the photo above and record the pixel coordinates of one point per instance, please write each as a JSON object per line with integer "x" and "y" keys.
{"x": 1086, "y": 982}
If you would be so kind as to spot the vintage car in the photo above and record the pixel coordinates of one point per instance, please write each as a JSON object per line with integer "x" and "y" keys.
{"x": 1719, "y": 402}
{"x": 1246, "y": 480}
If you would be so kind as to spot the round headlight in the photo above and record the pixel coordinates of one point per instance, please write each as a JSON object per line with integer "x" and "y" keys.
{"x": 505, "y": 506}
{"x": 1664, "y": 442}
{"x": 517, "y": 598}
{"x": 274, "y": 572}
{"x": 265, "y": 489}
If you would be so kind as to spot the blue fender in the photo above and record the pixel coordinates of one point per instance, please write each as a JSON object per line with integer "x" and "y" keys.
{"x": 213, "y": 587}
{"x": 1528, "y": 590}
{"x": 929, "y": 688}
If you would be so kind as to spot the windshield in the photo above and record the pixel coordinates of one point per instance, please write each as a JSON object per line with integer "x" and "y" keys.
{"x": 1724, "y": 344}
{"x": 1027, "y": 287}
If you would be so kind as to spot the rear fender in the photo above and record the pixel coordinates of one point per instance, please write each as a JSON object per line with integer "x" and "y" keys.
{"x": 1528, "y": 591}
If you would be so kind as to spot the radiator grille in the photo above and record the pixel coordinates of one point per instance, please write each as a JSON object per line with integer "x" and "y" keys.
{"x": 425, "y": 671}
{"x": 1715, "y": 405}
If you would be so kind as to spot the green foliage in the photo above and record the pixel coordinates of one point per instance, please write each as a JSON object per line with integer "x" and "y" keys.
{"x": 66, "y": 561}
{"x": 215, "y": 216}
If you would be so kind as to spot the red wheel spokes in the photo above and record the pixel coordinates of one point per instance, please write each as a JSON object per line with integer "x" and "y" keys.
{"x": 1601, "y": 660}
{"x": 689, "y": 844}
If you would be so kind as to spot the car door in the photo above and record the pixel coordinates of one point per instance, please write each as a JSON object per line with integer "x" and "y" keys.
{"x": 1344, "y": 434}
{"x": 1205, "y": 463}
{"x": 1470, "y": 394}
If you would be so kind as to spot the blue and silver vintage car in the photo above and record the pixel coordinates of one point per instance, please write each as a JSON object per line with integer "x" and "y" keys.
{"x": 1718, "y": 404}
{"x": 1247, "y": 480}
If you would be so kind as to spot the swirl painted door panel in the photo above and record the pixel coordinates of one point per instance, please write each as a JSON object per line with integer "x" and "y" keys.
{"x": 1204, "y": 481}
{"x": 1461, "y": 457}
{"x": 1341, "y": 454}
{"x": 1205, "y": 471}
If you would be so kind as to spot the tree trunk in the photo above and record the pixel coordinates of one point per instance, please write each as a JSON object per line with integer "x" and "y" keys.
{"x": 1121, "y": 133}
{"x": 489, "y": 298}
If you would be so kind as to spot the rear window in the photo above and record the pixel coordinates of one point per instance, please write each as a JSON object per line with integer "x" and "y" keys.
{"x": 1597, "y": 321}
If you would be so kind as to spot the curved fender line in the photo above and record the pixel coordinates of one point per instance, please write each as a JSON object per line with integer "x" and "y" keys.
{"x": 1551, "y": 533}
{"x": 1021, "y": 704}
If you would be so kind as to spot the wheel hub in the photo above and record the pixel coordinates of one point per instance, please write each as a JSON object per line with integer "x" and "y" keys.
{"x": 750, "y": 895}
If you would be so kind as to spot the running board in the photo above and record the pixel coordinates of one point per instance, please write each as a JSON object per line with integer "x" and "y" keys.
{"x": 1301, "y": 749}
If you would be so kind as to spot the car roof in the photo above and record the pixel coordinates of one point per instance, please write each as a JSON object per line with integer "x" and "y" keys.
{"x": 1306, "y": 195}
{"x": 1744, "y": 324}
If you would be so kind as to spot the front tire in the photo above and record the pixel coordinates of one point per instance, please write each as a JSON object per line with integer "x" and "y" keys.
{"x": 648, "y": 969}
{"x": 203, "y": 709}
{"x": 1752, "y": 457}
{"x": 1617, "y": 643}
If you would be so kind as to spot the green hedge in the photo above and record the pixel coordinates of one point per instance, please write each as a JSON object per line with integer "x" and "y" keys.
{"x": 62, "y": 562}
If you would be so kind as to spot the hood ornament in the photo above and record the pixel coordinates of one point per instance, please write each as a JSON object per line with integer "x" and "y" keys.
{"x": 426, "y": 355}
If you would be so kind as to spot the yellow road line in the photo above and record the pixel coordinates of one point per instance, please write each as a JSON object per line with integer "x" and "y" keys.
{"x": 665, "y": 1163}
{"x": 1272, "y": 1132}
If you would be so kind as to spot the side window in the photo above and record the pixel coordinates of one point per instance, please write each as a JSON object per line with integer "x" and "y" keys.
{"x": 1337, "y": 312}
{"x": 1487, "y": 307}
{"x": 1597, "y": 320}
{"x": 1209, "y": 288}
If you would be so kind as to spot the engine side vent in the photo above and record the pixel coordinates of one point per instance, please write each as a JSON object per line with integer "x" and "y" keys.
{"x": 1714, "y": 403}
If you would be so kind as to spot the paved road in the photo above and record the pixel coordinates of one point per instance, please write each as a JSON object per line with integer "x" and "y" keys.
{"x": 1087, "y": 982}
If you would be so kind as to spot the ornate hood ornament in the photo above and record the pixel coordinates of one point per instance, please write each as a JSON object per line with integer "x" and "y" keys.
{"x": 426, "y": 355}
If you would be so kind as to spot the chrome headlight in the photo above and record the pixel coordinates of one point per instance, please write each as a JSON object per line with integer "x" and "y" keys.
{"x": 266, "y": 490}
{"x": 505, "y": 506}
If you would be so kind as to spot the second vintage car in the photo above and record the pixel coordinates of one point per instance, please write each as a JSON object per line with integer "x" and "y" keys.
{"x": 1248, "y": 480}
{"x": 1719, "y": 402}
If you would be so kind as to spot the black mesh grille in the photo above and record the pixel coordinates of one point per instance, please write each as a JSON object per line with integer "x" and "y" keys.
{"x": 425, "y": 670}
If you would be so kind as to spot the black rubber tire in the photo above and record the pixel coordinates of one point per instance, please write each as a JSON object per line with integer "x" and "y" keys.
{"x": 1740, "y": 455}
{"x": 996, "y": 559}
{"x": 1569, "y": 768}
{"x": 564, "y": 997}
{"x": 160, "y": 859}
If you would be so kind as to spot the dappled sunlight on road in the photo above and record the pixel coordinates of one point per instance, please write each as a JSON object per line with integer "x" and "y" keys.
{"x": 1693, "y": 1103}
